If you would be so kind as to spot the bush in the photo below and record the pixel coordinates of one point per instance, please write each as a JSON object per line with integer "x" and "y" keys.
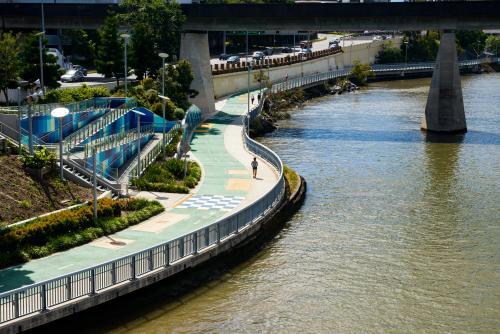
{"x": 360, "y": 73}
{"x": 41, "y": 157}
{"x": 83, "y": 92}
{"x": 70, "y": 228}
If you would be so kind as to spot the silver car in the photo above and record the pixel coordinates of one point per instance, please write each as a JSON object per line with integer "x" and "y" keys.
{"x": 72, "y": 76}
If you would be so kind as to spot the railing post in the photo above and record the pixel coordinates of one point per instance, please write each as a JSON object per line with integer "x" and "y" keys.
{"x": 150, "y": 260}
{"x": 43, "y": 296}
{"x": 68, "y": 287}
{"x": 207, "y": 236}
{"x": 181, "y": 248}
{"x": 113, "y": 273}
{"x": 16, "y": 305}
{"x": 92, "y": 281}
{"x": 218, "y": 232}
{"x": 166, "y": 253}
{"x": 195, "y": 242}
{"x": 132, "y": 268}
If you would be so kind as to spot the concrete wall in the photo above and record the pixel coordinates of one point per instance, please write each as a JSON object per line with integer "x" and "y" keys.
{"x": 226, "y": 84}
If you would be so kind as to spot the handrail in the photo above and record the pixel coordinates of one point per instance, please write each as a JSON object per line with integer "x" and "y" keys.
{"x": 44, "y": 295}
{"x": 376, "y": 68}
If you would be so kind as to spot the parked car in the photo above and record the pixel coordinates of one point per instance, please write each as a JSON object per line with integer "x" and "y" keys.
{"x": 224, "y": 56}
{"x": 268, "y": 51}
{"x": 81, "y": 69}
{"x": 233, "y": 60}
{"x": 72, "y": 76}
{"x": 286, "y": 49}
{"x": 258, "y": 55}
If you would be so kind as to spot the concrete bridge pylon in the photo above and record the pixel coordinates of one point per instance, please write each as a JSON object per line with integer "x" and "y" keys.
{"x": 194, "y": 48}
{"x": 444, "y": 111}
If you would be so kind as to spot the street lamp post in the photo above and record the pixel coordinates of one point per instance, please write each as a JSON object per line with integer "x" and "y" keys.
{"x": 164, "y": 129}
{"x": 19, "y": 118}
{"x": 249, "y": 64}
{"x": 406, "y": 56}
{"x": 139, "y": 114}
{"x": 163, "y": 56}
{"x": 60, "y": 113}
{"x": 40, "y": 47}
{"x": 125, "y": 74}
{"x": 94, "y": 181}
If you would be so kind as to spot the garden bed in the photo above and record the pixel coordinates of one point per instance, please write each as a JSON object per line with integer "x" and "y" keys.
{"x": 67, "y": 229}
{"x": 168, "y": 176}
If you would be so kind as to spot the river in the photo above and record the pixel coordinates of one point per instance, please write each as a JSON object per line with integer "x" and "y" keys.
{"x": 398, "y": 233}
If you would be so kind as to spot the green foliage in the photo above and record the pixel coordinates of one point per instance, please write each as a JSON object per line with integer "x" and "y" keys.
{"x": 261, "y": 77}
{"x": 471, "y": 40}
{"x": 81, "y": 93}
{"x": 41, "y": 157}
{"x": 178, "y": 78}
{"x": 360, "y": 73}
{"x": 80, "y": 46}
{"x": 422, "y": 47}
{"x": 155, "y": 28}
{"x": 30, "y": 60}
{"x": 109, "y": 59}
{"x": 492, "y": 44}
{"x": 292, "y": 178}
{"x": 70, "y": 228}
{"x": 10, "y": 66}
{"x": 389, "y": 54}
{"x": 168, "y": 176}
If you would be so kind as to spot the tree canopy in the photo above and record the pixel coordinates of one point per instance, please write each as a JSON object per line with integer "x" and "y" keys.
{"x": 10, "y": 66}
{"x": 389, "y": 54}
{"x": 109, "y": 59}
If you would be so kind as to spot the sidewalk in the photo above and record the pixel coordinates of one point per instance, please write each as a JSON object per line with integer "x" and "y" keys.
{"x": 226, "y": 185}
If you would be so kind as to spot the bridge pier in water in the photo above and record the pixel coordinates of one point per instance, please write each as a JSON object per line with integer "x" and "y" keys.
{"x": 194, "y": 48}
{"x": 444, "y": 111}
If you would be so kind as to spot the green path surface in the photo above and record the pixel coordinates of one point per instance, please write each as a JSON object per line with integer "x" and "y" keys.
{"x": 208, "y": 147}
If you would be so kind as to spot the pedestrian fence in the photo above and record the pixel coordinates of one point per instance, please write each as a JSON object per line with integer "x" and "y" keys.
{"x": 376, "y": 68}
{"x": 45, "y": 295}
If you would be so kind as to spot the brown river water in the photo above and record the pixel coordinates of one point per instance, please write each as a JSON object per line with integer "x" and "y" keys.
{"x": 398, "y": 234}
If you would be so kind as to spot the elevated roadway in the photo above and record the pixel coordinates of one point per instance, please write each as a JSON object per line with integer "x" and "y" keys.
{"x": 301, "y": 16}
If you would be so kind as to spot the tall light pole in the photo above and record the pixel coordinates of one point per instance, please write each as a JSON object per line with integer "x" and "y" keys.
{"x": 163, "y": 56}
{"x": 94, "y": 181}
{"x": 406, "y": 55}
{"x": 125, "y": 73}
{"x": 139, "y": 114}
{"x": 60, "y": 113}
{"x": 40, "y": 47}
{"x": 19, "y": 118}
{"x": 164, "y": 129}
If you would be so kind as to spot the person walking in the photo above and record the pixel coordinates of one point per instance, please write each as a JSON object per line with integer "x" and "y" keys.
{"x": 255, "y": 164}
{"x": 286, "y": 76}
{"x": 258, "y": 98}
{"x": 252, "y": 98}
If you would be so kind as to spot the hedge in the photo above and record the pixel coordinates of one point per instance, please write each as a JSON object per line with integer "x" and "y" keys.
{"x": 70, "y": 228}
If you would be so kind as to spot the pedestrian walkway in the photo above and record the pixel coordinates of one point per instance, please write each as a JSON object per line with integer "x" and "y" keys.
{"x": 226, "y": 185}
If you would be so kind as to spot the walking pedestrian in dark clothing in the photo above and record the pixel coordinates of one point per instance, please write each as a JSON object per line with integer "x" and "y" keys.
{"x": 258, "y": 98}
{"x": 252, "y": 99}
{"x": 255, "y": 164}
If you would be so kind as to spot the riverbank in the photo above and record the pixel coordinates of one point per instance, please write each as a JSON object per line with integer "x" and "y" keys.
{"x": 279, "y": 105}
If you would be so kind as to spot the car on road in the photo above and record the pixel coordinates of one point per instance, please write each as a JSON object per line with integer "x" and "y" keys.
{"x": 233, "y": 60}
{"x": 81, "y": 69}
{"x": 224, "y": 56}
{"x": 72, "y": 76}
{"x": 304, "y": 53}
{"x": 268, "y": 51}
{"x": 258, "y": 55}
{"x": 286, "y": 49}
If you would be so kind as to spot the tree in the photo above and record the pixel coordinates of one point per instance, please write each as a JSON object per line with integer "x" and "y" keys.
{"x": 493, "y": 44}
{"x": 10, "y": 66}
{"x": 389, "y": 54}
{"x": 109, "y": 60}
{"x": 155, "y": 28}
{"x": 178, "y": 80}
{"x": 360, "y": 73}
{"x": 80, "y": 46}
{"x": 30, "y": 62}
{"x": 422, "y": 47}
{"x": 471, "y": 40}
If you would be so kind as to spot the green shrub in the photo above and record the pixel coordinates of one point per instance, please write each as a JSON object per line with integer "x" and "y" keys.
{"x": 179, "y": 113}
{"x": 81, "y": 93}
{"x": 41, "y": 157}
{"x": 70, "y": 228}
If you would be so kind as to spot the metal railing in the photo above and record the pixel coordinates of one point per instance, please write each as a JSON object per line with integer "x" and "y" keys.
{"x": 376, "y": 68}
{"x": 151, "y": 156}
{"x": 42, "y": 296}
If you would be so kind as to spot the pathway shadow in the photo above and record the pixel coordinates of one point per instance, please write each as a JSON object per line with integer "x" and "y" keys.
{"x": 14, "y": 277}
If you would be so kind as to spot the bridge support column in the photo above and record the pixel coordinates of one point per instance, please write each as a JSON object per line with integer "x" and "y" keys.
{"x": 444, "y": 111}
{"x": 194, "y": 48}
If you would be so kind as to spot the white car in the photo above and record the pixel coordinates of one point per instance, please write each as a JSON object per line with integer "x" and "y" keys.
{"x": 72, "y": 75}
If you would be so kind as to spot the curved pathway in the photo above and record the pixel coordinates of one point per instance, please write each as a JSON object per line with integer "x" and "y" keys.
{"x": 226, "y": 185}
